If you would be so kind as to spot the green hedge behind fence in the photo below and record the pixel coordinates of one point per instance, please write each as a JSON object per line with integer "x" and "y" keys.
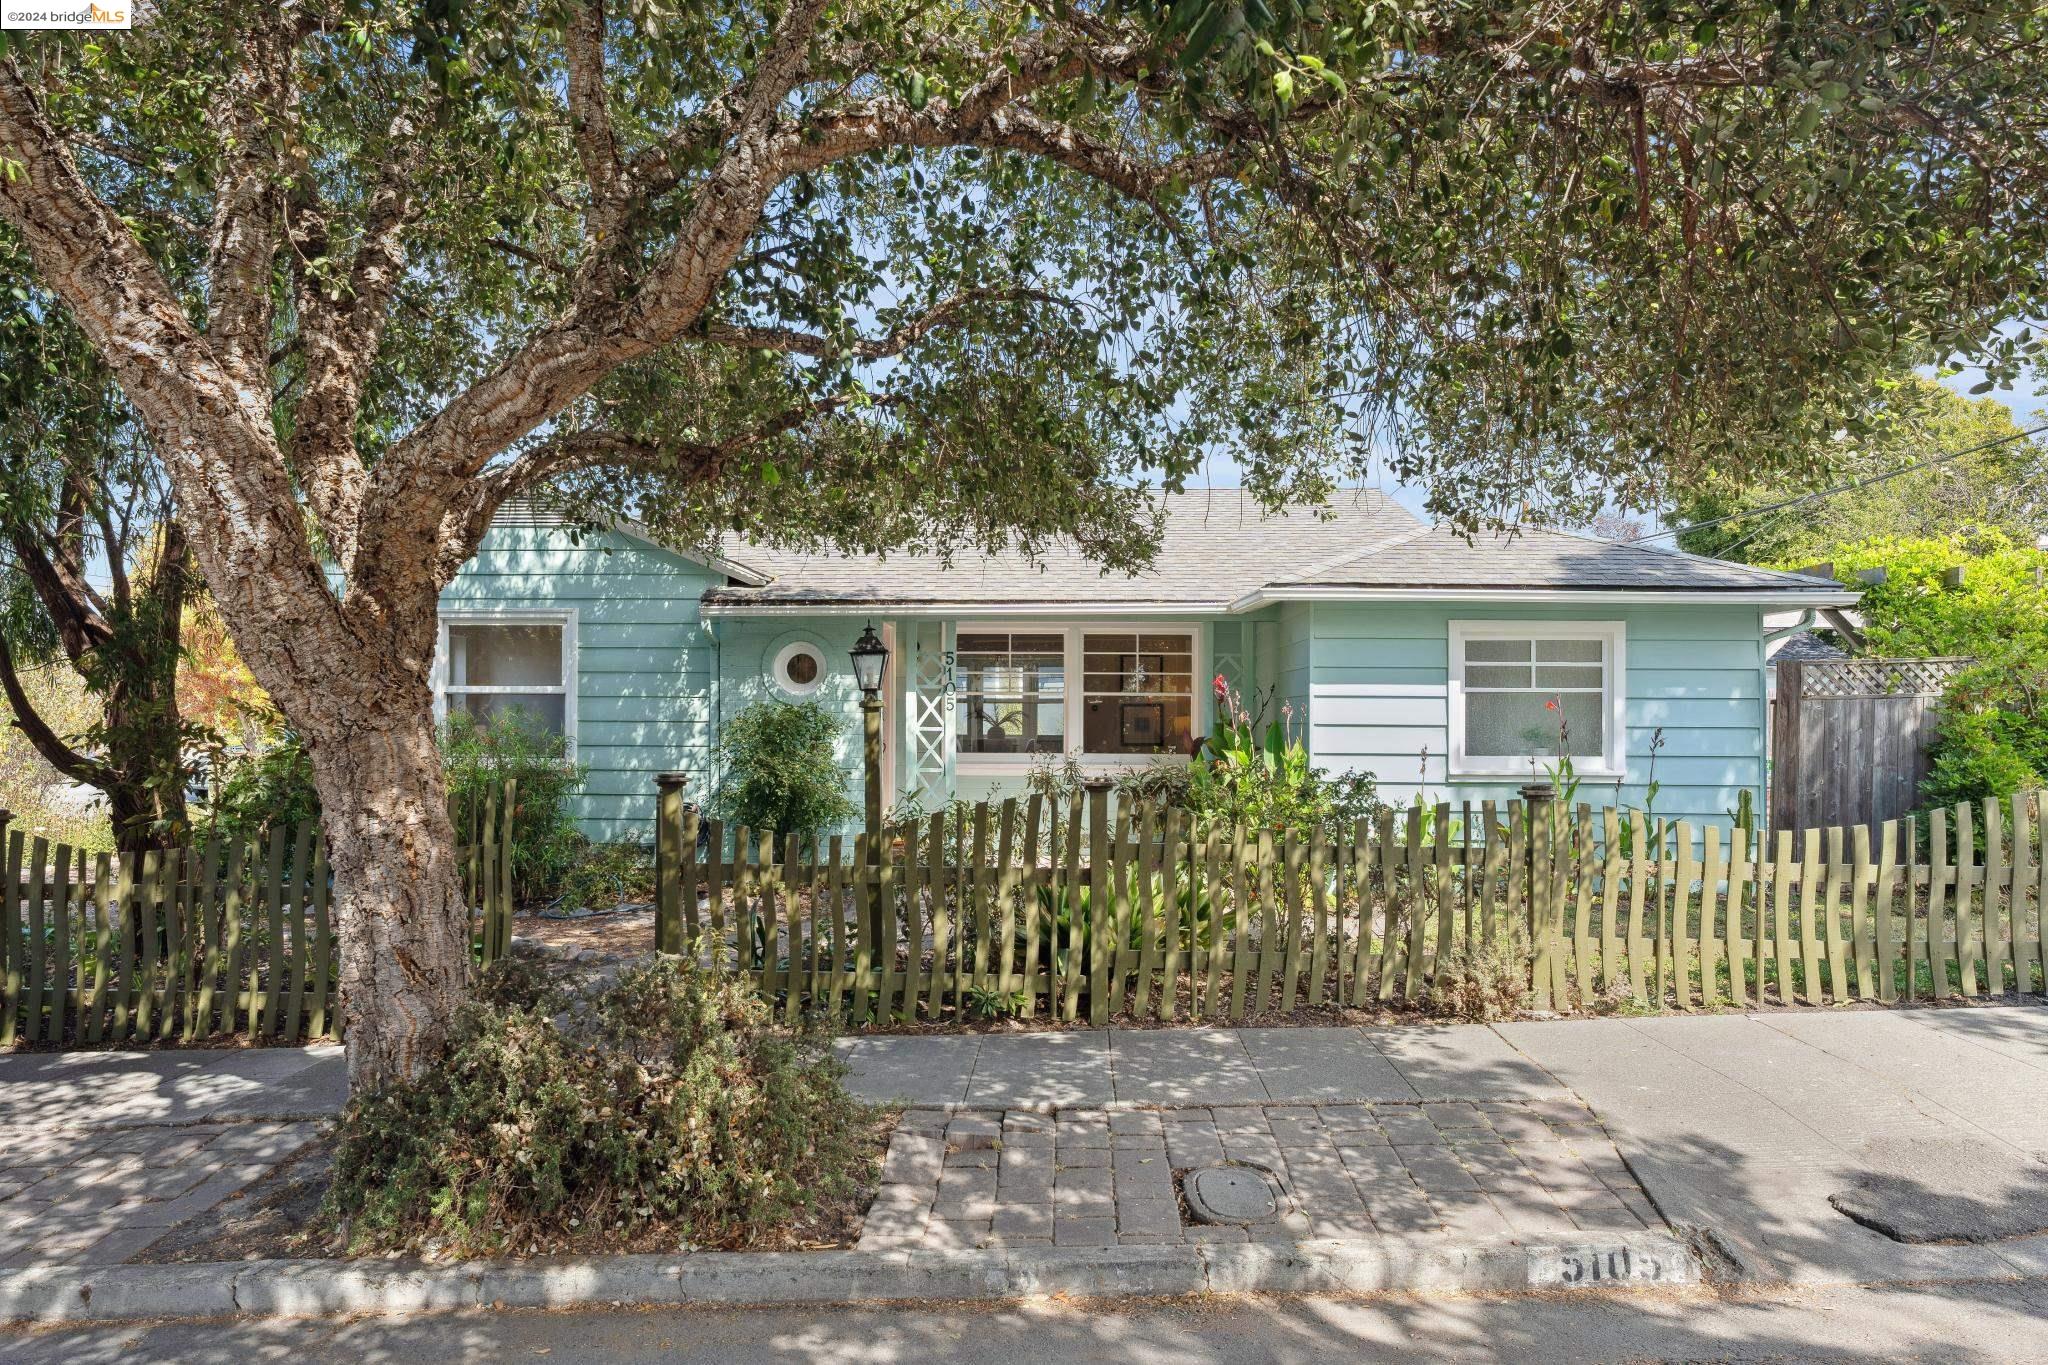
{"x": 1088, "y": 912}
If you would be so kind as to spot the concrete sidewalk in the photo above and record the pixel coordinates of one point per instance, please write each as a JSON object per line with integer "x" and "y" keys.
{"x": 1740, "y": 1123}
{"x": 102, "y": 1153}
{"x": 1748, "y": 1123}
{"x": 1196, "y": 1066}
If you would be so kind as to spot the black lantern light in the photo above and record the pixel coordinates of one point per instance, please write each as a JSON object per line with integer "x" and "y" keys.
{"x": 870, "y": 661}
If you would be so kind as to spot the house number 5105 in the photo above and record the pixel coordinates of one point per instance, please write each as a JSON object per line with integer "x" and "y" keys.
{"x": 1585, "y": 1267}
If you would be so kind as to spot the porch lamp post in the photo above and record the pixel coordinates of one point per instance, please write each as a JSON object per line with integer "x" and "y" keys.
{"x": 870, "y": 663}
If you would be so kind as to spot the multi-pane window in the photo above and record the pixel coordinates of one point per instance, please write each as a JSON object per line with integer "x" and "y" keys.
{"x": 1525, "y": 695}
{"x": 1010, "y": 692}
{"x": 497, "y": 666}
{"x": 1137, "y": 692}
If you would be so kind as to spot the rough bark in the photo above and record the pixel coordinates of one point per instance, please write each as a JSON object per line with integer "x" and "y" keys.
{"x": 401, "y": 918}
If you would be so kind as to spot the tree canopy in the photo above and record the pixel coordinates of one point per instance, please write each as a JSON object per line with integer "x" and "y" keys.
{"x": 1914, "y": 491}
{"x": 990, "y": 263}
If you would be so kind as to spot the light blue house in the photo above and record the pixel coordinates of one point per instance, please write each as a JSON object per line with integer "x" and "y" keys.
{"x": 1441, "y": 667}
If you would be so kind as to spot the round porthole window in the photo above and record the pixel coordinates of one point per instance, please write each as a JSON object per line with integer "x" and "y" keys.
{"x": 799, "y": 668}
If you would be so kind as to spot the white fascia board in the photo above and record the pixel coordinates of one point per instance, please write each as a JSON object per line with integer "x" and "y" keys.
{"x": 733, "y": 569}
{"x": 1001, "y": 610}
{"x": 1736, "y": 597}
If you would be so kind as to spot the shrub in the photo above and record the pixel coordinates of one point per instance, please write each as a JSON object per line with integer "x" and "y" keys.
{"x": 609, "y": 875}
{"x": 1980, "y": 753}
{"x": 781, "y": 772}
{"x": 479, "y": 756}
{"x": 1483, "y": 984}
{"x": 1993, "y": 734}
{"x": 662, "y": 1109}
{"x": 1261, "y": 777}
{"x": 255, "y": 791}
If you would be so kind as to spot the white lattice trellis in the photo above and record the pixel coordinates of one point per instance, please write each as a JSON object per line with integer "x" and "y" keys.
{"x": 931, "y": 713}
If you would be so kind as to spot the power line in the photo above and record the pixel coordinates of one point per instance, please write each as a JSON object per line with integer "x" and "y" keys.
{"x": 1808, "y": 498}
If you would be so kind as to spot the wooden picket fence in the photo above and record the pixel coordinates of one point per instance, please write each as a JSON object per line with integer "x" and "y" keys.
{"x": 1024, "y": 909}
{"x": 215, "y": 939}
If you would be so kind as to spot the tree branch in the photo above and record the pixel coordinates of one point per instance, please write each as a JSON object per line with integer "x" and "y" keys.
{"x": 46, "y": 742}
{"x": 247, "y": 207}
{"x": 947, "y": 312}
{"x": 339, "y": 330}
{"x": 590, "y": 124}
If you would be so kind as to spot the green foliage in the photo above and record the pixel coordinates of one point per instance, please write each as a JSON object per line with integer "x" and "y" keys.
{"x": 782, "y": 772}
{"x": 1993, "y": 736}
{"x": 1260, "y": 776}
{"x": 478, "y": 757}
{"x": 256, "y": 791}
{"x": 664, "y": 1109}
{"x": 1306, "y": 241}
{"x": 608, "y": 875}
{"x": 2002, "y": 490}
{"x": 1984, "y": 750}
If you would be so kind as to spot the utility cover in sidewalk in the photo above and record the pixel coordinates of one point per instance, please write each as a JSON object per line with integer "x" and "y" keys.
{"x": 1231, "y": 1194}
{"x": 1946, "y": 1190}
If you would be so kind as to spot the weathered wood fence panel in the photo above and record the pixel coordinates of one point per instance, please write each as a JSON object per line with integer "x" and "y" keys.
{"x": 200, "y": 942}
{"x": 1850, "y": 738}
{"x": 1098, "y": 912}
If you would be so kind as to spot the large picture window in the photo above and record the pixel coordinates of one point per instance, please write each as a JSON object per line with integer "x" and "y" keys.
{"x": 1518, "y": 689}
{"x": 1138, "y": 692}
{"x": 493, "y": 665}
{"x": 1091, "y": 692}
{"x": 1010, "y": 692}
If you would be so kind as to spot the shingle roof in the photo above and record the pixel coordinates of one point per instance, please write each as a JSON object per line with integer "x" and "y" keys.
{"x": 1804, "y": 645}
{"x": 1435, "y": 557}
{"x": 1219, "y": 544}
{"x": 1220, "y": 550}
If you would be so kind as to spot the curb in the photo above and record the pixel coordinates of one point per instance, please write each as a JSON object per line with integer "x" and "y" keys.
{"x": 293, "y": 1289}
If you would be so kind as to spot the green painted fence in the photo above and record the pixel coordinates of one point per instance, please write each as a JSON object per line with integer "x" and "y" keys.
{"x": 199, "y": 942}
{"x": 1098, "y": 911}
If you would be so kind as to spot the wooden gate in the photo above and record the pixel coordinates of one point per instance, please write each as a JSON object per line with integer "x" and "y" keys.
{"x": 1850, "y": 737}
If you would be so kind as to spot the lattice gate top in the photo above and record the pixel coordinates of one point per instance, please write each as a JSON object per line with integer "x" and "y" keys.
{"x": 1822, "y": 678}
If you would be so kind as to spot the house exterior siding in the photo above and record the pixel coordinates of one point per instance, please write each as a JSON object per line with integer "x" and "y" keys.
{"x": 1379, "y": 685}
{"x": 646, "y": 665}
{"x": 1369, "y": 683}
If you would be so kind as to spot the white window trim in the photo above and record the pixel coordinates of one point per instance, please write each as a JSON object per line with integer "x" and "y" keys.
{"x": 1016, "y": 765}
{"x": 1614, "y": 680}
{"x": 781, "y": 661}
{"x": 563, "y": 617}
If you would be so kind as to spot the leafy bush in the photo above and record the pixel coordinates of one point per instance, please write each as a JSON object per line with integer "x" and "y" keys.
{"x": 1993, "y": 733}
{"x": 1261, "y": 777}
{"x": 479, "y": 756}
{"x": 660, "y": 1110}
{"x": 781, "y": 772}
{"x": 609, "y": 875}
{"x": 1980, "y": 753}
{"x": 255, "y": 791}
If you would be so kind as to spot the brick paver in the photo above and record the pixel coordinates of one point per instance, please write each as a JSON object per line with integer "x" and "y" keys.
{"x": 1086, "y": 1177}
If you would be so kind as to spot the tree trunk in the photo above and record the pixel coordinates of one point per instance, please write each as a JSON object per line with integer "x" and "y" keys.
{"x": 402, "y": 920}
